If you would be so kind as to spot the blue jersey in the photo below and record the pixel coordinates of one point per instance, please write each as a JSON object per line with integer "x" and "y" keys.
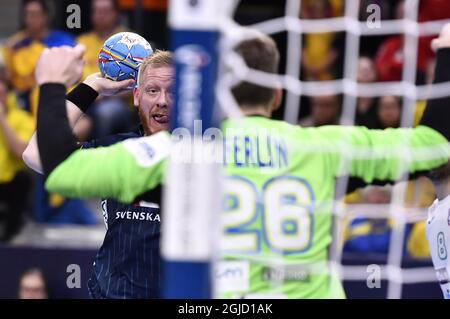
{"x": 128, "y": 262}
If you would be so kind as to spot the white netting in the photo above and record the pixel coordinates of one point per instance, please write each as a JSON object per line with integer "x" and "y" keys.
{"x": 235, "y": 70}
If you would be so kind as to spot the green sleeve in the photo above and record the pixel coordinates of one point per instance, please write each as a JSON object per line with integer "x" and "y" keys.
{"x": 384, "y": 154}
{"x": 122, "y": 171}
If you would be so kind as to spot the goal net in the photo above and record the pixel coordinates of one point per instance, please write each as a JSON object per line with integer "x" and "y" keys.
{"x": 207, "y": 32}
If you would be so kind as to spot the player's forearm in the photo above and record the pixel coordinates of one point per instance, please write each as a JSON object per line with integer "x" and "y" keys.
{"x": 78, "y": 101}
{"x": 81, "y": 98}
{"x": 54, "y": 135}
{"x": 31, "y": 155}
{"x": 437, "y": 112}
{"x": 14, "y": 143}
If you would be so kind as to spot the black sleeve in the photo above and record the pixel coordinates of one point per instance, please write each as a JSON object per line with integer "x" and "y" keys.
{"x": 437, "y": 112}
{"x": 82, "y": 96}
{"x": 54, "y": 136}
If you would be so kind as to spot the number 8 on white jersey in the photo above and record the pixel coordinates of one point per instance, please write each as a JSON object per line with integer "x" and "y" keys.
{"x": 438, "y": 235}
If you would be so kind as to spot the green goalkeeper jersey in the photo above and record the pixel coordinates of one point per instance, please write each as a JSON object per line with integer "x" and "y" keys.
{"x": 278, "y": 193}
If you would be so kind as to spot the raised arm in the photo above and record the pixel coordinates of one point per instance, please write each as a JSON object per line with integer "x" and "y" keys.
{"x": 31, "y": 155}
{"x": 89, "y": 173}
{"x": 78, "y": 102}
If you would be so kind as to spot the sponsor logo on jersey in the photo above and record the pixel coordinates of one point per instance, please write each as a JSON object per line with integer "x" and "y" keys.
{"x": 150, "y": 151}
{"x": 232, "y": 276}
{"x": 153, "y": 217}
{"x": 286, "y": 273}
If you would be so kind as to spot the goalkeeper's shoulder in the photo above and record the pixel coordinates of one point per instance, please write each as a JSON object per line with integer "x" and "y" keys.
{"x": 121, "y": 171}
{"x": 149, "y": 149}
{"x": 138, "y": 152}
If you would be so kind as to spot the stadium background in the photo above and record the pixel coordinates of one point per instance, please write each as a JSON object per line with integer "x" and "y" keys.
{"x": 50, "y": 238}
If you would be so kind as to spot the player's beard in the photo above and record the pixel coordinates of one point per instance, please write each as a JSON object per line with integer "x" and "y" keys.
{"x": 150, "y": 124}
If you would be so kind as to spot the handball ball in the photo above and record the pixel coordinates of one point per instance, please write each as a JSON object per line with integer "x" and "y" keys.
{"x": 122, "y": 54}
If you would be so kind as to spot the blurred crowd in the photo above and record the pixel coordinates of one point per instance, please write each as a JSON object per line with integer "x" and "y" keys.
{"x": 22, "y": 194}
{"x": 381, "y": 58}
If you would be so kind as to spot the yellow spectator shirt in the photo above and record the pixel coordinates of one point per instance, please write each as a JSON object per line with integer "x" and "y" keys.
{"x": 23, "y": 125}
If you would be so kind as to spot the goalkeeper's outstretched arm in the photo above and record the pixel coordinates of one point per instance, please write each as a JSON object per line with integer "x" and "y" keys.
{"x": 380, "y": 162}
{"x": 426, "y": 149}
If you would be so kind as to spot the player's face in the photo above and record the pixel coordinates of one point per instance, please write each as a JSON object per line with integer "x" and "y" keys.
{"x": 154, "y": 99}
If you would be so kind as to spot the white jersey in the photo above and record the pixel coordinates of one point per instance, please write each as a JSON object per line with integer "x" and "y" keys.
{"x": 438, "y": 235}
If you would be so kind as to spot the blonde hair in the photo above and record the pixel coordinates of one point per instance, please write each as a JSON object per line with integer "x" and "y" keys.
{"x": 158, "y": 59}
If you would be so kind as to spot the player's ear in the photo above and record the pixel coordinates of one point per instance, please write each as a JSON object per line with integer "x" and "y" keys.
{"x": 136, "y": 96}
{"x": 277, "y": 97}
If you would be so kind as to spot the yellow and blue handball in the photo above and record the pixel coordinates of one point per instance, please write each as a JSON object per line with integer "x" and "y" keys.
{"x": 122, "y": 54}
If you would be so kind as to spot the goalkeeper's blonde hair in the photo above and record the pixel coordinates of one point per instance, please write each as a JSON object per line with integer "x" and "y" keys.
{"x": 158, "y": 59}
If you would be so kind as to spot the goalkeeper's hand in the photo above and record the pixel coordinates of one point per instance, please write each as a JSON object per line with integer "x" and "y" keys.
{"x": 443, "y": 41}
{"x": 107, "y": 87}
{"x": 60, "y": 65}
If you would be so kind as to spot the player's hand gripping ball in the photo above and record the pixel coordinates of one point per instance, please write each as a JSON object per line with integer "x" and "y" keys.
{"x": 121, "y": 56}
